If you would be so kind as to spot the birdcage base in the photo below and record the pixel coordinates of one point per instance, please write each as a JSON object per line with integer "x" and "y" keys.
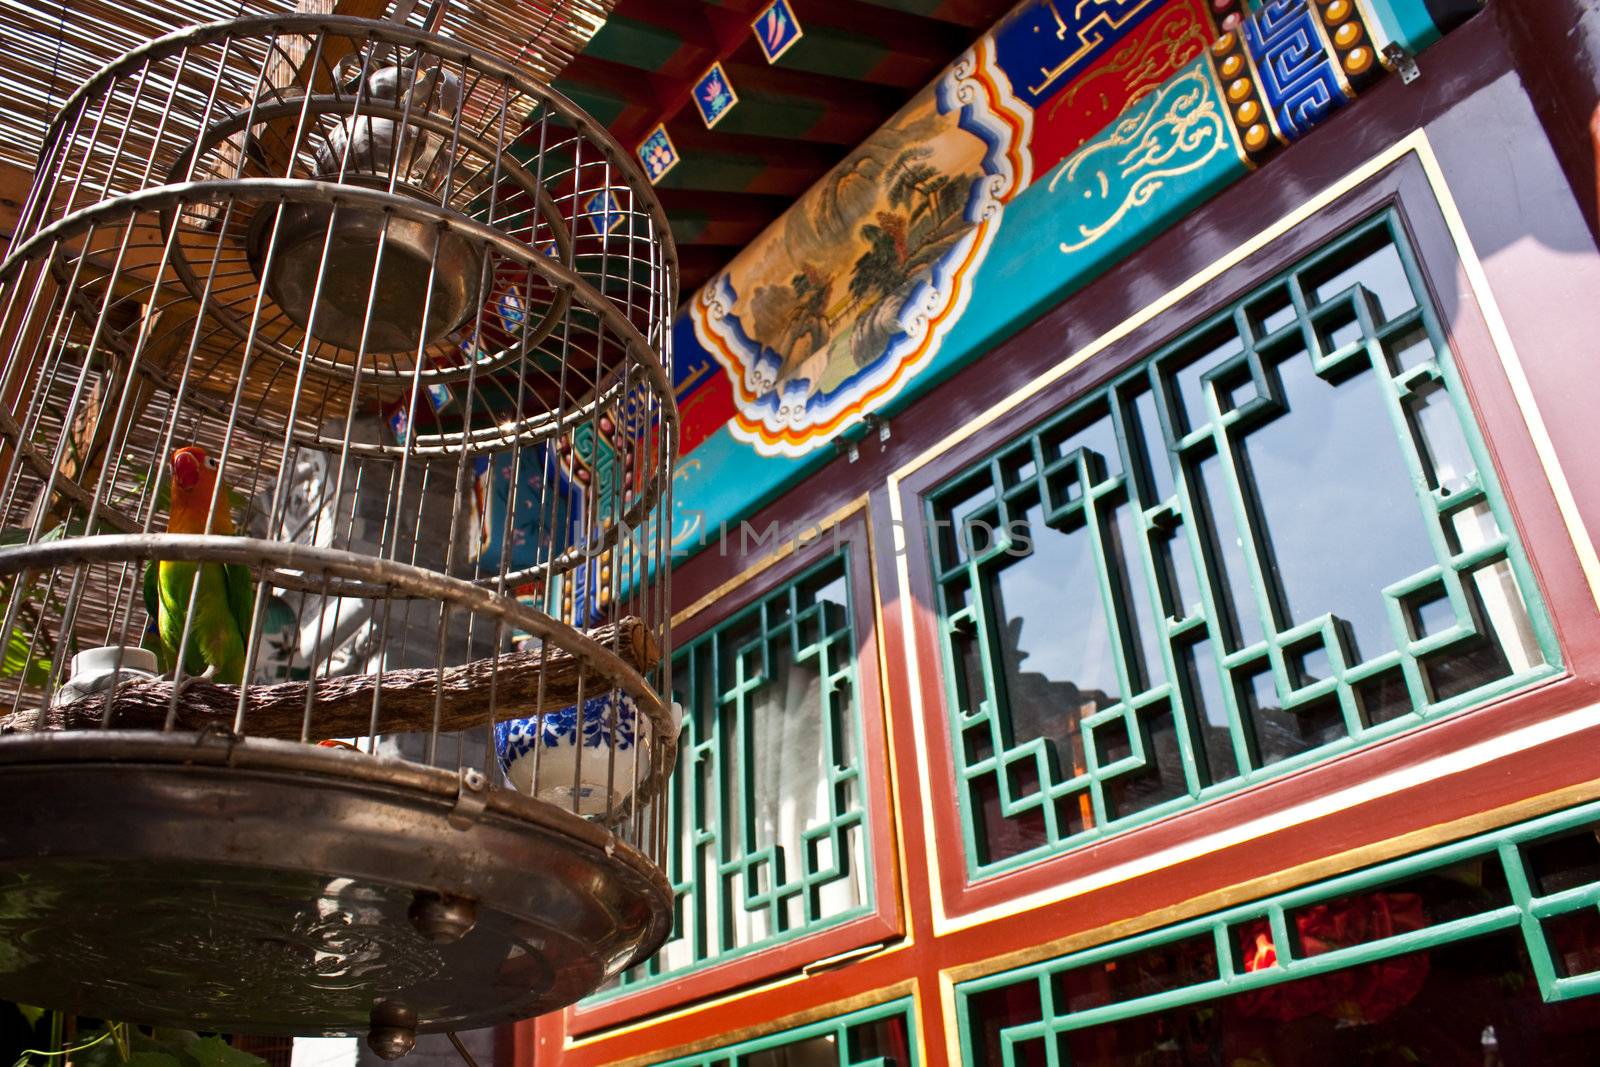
{"x": 275, "y": 888}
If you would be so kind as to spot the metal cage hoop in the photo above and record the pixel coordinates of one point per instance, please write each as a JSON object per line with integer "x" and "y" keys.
{"x": 293, "y": 566}
{"x": 546, "y": 95}
{"x": 47, "y": 243}
{"x": 376, "y": 328}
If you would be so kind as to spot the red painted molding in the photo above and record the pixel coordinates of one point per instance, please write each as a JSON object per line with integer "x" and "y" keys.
{"x": 886, "y": 922}
{"x": 1540, "y": 261}
{"x": 1522, "y": 477}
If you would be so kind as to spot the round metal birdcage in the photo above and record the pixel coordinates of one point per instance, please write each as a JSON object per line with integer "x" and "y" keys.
{"x": 335, "y": 475}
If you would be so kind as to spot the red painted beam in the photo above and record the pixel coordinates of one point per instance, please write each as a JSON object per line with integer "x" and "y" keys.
{"x": 621, "y": 80}
{"x": 692, "y": 138}
{"x": 842, "y": 93}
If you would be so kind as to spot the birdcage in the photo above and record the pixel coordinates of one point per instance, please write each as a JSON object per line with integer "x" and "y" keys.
{"x": 337, "y": 454}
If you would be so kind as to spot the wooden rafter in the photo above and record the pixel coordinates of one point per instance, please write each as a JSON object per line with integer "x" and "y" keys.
{"x": 795, "y": 119}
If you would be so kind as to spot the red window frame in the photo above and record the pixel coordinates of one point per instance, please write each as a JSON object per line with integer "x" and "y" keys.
{"x": 1524, "y": 483}
{"x": 755, "y": 578}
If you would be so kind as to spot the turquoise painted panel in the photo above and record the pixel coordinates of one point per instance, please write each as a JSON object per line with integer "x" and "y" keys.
{"x": 730, "y": 483}
{"x": 1150, "y": 169}
{"x": 1405, "y": 22}
{"x": 1113, "y": 196}
{"x": 775, "y": 369}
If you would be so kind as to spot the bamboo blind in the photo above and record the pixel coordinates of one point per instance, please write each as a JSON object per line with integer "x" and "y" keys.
{"x": 50, "y": 47}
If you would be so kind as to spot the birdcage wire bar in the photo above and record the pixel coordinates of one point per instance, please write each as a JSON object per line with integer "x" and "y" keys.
{"x": 372, "y": 326}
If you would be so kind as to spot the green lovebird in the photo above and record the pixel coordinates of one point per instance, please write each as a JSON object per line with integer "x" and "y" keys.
{"x": 224, "y": 603}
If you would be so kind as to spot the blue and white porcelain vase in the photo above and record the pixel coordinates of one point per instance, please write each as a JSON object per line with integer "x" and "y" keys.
{"x": 551, "y": 744}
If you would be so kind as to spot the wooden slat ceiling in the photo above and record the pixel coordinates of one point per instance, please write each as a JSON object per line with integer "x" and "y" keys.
{"x": 53, "y": 46}
{"x": 858, "y": 62}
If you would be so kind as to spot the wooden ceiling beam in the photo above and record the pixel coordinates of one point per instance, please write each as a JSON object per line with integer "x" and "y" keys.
{"x": 930, "y": 40}
{"x": 690, "y": 22}
{"x": 842, "y": 93}
{"x": 737, "y": 207}
{"x": 701, "y": 261}
{"x": 619, "y": 79}
{"x": 933, "y": 42}
{"x": 973, "y": 15}
{"x": 691, "y": 137}
{"x": 718, "y": 231}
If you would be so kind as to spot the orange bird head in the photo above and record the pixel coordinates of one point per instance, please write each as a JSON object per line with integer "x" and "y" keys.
{"x": 194, "y": 484}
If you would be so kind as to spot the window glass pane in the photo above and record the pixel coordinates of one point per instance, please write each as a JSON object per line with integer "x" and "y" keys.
{"x": 1238, "y": 615}
{"x": 1417, "y": 975}
{"x": 1444, "y": 446}
{"x": 1321, "y": 562}
{"x": 1046, "y": 677}
{"x": 768, "y": 823}
{"x": 1338, "y": 510}
{"x": 873, "y": 1037}
{"x": 1373, "y": 263}
{"x": 1144, "y": 420}
{"x": 1134, "y": 603}
{"x": 1186, "y": 373}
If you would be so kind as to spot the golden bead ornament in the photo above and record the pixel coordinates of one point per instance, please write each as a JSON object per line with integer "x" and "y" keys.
{"x": 1245, "y": 108}
{"x": 1350, "y": 37}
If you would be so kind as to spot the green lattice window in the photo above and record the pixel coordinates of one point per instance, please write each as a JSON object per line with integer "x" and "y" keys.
{"x": 1473, "y": 953}
{"x": 1271, "y": 541}
{"x": 879, "y": 1036}
{"x": 768, "y": 818}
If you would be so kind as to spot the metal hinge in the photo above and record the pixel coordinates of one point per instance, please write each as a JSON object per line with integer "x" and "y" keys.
{"x": 1403, "y": 62}
{"x": 472, "y": 796}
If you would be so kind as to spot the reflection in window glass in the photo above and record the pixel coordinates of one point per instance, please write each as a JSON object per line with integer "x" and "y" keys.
{"x": 872, "y": 1037}
{"x": 1373, "y": 262}
{"x": 1458, "y": 1006}
{"x": 1251, "y": 985}
{"x": 1338, "y": 515}
{"x": 768, "y": 829}
{"x": 1271, "y": 541}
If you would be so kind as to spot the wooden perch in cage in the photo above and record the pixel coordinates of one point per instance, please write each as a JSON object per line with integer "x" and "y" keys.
{"x": 342, "y": 706}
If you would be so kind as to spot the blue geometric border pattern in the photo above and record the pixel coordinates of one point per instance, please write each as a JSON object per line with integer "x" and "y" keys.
{"x": 1299, "y": 76}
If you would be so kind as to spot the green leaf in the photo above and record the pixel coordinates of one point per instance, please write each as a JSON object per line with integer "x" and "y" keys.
{"x": 215, "y": 1052}
{"x": 18, "y": 535}
{"x": 63, "y": 530}
{"x": 151, "y": 1058}
{"x": 31, "y": 1013}
{"x": 16, "y": 663}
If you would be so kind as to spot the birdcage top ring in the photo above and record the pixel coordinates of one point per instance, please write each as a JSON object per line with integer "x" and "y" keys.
{"x": 381, "y": 32}
{"x": 618, "y": 329}
{"x": 427, "y": 123}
